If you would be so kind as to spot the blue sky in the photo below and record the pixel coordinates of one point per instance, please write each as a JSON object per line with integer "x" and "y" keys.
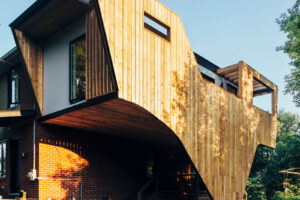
{"x": 224, "y": 32}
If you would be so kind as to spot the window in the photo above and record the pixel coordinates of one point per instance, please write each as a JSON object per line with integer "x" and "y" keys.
{"x": 262, "y": 95}
{"x": 156, "y": 26}
{"x": 3, "y": 159}
{"x": 77, "y": 69}
{"x": 13, "y": 89}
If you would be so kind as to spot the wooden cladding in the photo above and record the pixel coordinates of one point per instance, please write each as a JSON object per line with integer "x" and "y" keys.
{"x": 32, "y": 55}
{"x": 219, "y": 130}
{"x": 99, "y": 72}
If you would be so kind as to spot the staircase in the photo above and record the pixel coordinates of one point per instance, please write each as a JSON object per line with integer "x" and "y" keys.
{"x": 175, "y": 195}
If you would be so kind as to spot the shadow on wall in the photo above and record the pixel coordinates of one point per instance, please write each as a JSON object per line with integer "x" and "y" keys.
{"x": 223, "y": 141}
{"x": 61, "y": 170}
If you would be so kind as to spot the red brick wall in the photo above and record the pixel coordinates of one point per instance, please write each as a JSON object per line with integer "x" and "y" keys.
{"x": 106, "y": 166}
{"x": 26, "y": 164}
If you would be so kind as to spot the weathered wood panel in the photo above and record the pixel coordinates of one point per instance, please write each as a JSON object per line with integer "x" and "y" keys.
{"x": 32, "y": 55}
{"x": 99, "y": 73}
{"x": 219, "y": 130}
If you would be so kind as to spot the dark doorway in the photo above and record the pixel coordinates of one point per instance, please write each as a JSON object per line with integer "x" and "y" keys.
{"x": 14, "y": 166}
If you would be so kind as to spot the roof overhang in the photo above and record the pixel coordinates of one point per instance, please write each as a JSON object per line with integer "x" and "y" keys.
{"x": 114, "y": 116}
{"x": 45, "y": 17}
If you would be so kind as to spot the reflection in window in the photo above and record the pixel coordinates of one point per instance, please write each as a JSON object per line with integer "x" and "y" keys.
{"x": 3, "y": 159}
{"x": 14, "y": 97}
{"x": 77, "y": 76}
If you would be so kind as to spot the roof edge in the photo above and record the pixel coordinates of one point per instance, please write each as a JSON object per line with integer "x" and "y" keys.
{"x": 28, "y": 13}
{"x": 9, "y": 53}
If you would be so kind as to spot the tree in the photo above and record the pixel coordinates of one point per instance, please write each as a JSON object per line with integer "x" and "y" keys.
{"x": 291, "y": 193}
{"x": 290, "y": 24}
{"x": 265, "y": 181}
{"x": 288, "y": 123}
{"x": 255, "y": 189}
{"x": 285, "y": 156}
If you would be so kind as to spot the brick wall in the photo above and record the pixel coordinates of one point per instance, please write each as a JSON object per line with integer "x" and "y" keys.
{"x": 26, "y": 93}
{"x": 26, "y": 164}
{"x": 24, "y": 135}
{"x": 106, "y": 166}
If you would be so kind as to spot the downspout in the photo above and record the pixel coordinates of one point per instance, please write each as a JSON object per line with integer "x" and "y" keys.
{"x": 34, "y": 132}
{"x": 32, "y": 174}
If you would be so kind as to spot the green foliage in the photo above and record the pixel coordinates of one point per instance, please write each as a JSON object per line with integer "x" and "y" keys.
{"x": 285, "y": 156}
{"x": 255, "y": 189}
{"x": 261, "y": 158}
{"x": 268, "y": 163}
{"x": 288, "y": 123}
{"x": 290, "y": 24}
{"x": 292, "y": 192}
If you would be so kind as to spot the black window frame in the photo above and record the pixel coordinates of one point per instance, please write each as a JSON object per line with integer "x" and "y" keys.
{"x": 10, "y": 104}
{"x": 3, "y": 159}
{"x": 151, "y": 28}
{"x": 81, "y": 37}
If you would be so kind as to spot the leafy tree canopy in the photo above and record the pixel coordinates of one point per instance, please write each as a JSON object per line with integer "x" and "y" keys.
{"x": 266, "y": 181}
{"x": 290, "y": 24}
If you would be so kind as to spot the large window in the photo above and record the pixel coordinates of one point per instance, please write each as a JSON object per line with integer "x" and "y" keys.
{"x": 77, "y": 69}
{"x": 3, "y": 159}
{"x": 13, "y": 89}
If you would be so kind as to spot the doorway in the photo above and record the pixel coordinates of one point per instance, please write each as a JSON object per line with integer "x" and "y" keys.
{"x": 15, "y": 166}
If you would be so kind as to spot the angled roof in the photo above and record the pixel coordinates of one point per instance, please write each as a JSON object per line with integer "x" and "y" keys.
{"x": 8, "y": 60}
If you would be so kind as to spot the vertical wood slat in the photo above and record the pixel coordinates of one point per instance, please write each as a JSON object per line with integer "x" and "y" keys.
{"x": 219, "y": 131}
{"x": 99, "y": 71}
{"x": 32, "y": 55}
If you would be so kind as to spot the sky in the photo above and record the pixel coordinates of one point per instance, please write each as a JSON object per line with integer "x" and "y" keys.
{"x": 224, "y": 32}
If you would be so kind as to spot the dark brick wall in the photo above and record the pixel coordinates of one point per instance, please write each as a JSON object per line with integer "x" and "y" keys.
{"x": 26, "y": 163}
{"x": 24, "y": 135}
{"x": 26, "y": 93}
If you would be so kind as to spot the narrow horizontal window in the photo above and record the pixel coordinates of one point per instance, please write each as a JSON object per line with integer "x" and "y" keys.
{"x": 156, "y": 26}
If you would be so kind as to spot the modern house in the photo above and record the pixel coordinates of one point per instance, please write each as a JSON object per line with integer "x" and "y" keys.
{"x": 105, "y": 99}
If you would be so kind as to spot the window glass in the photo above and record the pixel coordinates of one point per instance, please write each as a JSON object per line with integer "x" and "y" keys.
{"x": 3, "y": 159}
{"x": 77, "y": 86}
{"x": 156, "y": 26}
{"x": 14, "y": 97}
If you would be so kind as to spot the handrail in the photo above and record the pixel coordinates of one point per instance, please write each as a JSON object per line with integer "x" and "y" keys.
{"x": 144, "y": 188}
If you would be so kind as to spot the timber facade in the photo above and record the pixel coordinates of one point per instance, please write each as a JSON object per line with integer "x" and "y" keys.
{"x": 106, "y": 100}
